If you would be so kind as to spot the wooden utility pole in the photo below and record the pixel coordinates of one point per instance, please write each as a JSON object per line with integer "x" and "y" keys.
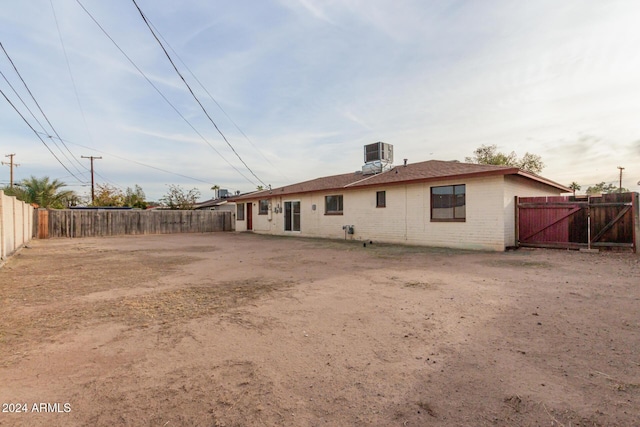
{"x": 620, "y": 186}
{"x": 11, "y": 166}
{"x": 93, "y": 191}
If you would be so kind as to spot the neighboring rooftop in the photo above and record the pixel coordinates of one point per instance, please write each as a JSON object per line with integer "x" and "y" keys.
{"x": 211, "y": 203}
{"x": 431, "y": 170}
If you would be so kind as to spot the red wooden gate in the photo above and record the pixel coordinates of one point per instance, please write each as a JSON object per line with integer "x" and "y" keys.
{"x": 609, "y": 221}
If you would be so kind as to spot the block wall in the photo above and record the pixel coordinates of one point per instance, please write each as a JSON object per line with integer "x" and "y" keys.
{"x": 16, "y": 223}
{"x": 406, "y": 218}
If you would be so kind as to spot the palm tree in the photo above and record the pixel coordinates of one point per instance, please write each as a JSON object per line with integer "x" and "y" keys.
{"x": 574, "y": 186}
{"x": 46, "y": 193}
{"x": 215, "y": 189}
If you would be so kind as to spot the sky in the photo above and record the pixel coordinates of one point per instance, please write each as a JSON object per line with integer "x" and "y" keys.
{"x": 298, "y": 87}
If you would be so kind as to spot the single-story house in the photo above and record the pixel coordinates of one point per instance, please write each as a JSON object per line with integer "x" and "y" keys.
{"x": 432, "y": 203}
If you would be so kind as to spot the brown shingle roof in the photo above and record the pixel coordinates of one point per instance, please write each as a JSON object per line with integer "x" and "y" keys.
{"x": 430, "y": 170}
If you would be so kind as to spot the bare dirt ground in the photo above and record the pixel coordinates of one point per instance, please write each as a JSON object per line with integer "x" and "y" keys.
{"x": 230, "y": 329}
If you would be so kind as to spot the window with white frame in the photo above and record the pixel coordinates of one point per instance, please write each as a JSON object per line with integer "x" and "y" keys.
{"x": 263, "y": 207}
{"x": 240, "y": 214}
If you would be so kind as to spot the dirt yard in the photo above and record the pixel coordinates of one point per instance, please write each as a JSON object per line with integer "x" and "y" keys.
{"x": 231, "y": 329}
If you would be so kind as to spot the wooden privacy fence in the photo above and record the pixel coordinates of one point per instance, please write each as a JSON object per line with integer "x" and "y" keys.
{"x": 99, "y": 222}
{"x": 606, "y": 221}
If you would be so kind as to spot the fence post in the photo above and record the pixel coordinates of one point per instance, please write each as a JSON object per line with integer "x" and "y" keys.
{"x": 2, "y": 237}
{"x": 14, "y": 202}
{"x": 635, "y": 203}
{"x": 589, "y": 223}
{"x": 34, "y": 223}
{"x": 516, "y": 201}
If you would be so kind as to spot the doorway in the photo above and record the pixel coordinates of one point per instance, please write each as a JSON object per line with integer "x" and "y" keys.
{"x": 292, "y": 216}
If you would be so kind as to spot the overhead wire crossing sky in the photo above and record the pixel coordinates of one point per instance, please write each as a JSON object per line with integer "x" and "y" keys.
{"x": 144, "y": 18}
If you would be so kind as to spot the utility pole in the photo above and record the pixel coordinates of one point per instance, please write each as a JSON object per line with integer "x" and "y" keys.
{"x": 620, "y": 186}
{"x": 93, "y": 191}
{"x": 11, "y": 166}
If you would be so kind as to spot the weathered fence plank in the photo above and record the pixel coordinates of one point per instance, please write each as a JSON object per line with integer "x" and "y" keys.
{"x": 611, "y": 221}
{"x": 43, "y": 224}
{"x": 97, "y": 223}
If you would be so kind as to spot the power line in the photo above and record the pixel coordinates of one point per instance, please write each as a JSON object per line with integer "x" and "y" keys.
{"x": 39, "y": 108}
{"x": 73, "y": 82}
{"x": 22, "y": 100}
{"x": 77, "y": 98}
{"x": 36, "y": 132}
{"x": 214, "y": 100}
{"x": 144, "y": 18}
{"x": 161, "y": 94}
{"x": 34, "y": 117}
{"x": 110, "y": 182}
{"x": 138, "y": 163}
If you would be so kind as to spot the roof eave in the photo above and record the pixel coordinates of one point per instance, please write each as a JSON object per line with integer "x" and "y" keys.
{"x": 358, "y": 184}
{"x": 496, "y": 172}
{"x": 545, "y": 181}
{"x": 362, "y": 183}
{"x": 249, "y": 196}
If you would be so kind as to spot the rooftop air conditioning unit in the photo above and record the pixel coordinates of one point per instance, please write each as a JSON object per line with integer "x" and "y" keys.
{"x": 379, "y": 151}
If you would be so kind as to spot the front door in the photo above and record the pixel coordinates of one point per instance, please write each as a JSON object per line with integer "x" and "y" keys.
{"x": 291, "y": 216}
{"x": 249, "y": 216}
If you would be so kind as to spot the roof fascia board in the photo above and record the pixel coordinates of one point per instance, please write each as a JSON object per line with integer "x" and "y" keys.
{"x": 510, "y": 171}
{"x": 544, "y": 181}
{"x": 441, "y": 178}
{"x": 363, "y": 182}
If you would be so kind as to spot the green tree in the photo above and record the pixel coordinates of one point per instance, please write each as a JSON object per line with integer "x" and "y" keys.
{"x": 108, "y": 195}
{"x": 135, "y": 197}
{"x": 178, "y": 198}
{"x": 73, "y": 200}
{"x": 489, "y": 155}
{"x": 604, "y": 188}
{"x": 46, "y": 193}
{"x": 575, "y": 187}
{"x": 531, "y": 163}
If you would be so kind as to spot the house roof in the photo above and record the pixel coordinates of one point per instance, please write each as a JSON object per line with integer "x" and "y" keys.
{"x": 431, "y": 170}
{"x": 210, "y": 203}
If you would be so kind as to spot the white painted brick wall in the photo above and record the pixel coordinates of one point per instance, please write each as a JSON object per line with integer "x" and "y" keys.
{"x": 406, "y": 218}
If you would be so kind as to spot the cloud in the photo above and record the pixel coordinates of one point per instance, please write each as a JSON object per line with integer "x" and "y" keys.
{"x": 314, "y": 10}
{"x": 311, "y": 82}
